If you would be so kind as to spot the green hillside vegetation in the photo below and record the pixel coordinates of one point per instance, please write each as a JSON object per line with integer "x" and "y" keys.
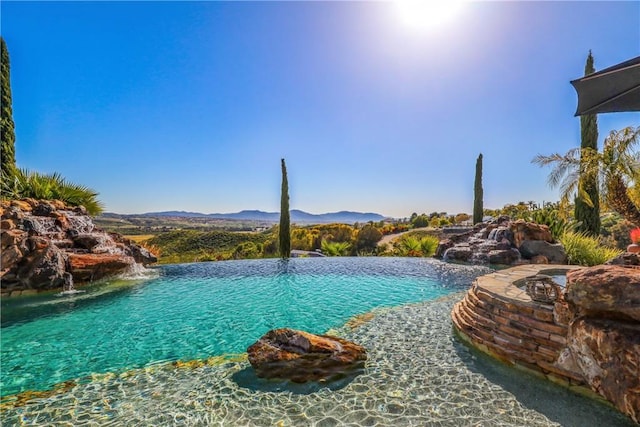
{"x": 194, "y": 246}
{"x": 178, "y": 246}
{"x": 141, "y": 224}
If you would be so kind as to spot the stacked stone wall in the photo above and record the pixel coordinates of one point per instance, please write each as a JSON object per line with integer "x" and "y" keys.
{"x": 516, "y": 333}
{"x": 588, "y": 339}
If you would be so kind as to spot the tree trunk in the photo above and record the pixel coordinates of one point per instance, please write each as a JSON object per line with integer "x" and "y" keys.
{"x": 619, "y": 200}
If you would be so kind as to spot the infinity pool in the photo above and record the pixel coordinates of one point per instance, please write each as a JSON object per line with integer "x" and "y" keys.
{"x": 117, "y": 343}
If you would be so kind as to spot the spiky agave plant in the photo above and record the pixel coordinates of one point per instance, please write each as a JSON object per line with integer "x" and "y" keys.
{"x": 428, "y": 245}
{"x": 24, "y": 183}
{"x": 335, "y": 248}
{"x": 408, "y": 246}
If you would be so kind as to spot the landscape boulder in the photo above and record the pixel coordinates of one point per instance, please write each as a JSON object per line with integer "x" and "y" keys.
{"x": 523, "y": 230}
{"x": 141, "y": 255}
{"x": 44, "y": 268}
{"x": 301, "y": 356}
{"x": 501, "y": 233}
{"x": 601, "y": 306}
{"x": 607, "y": 353}
{"x": 461, "y": 252}
{"x": 625, "y": 258}
{"x": 443, "y": 246}
{"x": 92, "y": 241}
{"x": 504, "y": 242}
{"x": 553, "y": 252}
{"x": 90, "y": 267}
{"x": 43, "y": 208}
{"x": 504, "y": 257}
{"x": 608, "y": 291}
{"x": 48, "y": 245}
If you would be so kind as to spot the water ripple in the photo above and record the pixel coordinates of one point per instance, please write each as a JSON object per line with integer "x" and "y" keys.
{"x": 417, "y": 374}
{"x": 200, "y": 310}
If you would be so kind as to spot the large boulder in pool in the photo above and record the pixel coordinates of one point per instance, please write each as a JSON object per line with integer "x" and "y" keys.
{"x": 300, "y": 356}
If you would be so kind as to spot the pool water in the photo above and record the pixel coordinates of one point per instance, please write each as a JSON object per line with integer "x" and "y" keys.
{"x": 417, "y": 372}
{"x": 193, "y": 311}
{"x": 560, "y": 279}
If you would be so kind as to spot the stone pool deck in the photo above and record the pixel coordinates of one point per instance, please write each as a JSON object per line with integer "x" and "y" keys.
{"x": 499, "y": 318}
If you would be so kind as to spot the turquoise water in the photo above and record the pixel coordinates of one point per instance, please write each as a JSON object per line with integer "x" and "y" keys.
{"x": 193, "y": 311}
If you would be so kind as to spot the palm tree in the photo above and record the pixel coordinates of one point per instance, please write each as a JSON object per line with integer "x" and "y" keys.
{"x": 618, "y": 167}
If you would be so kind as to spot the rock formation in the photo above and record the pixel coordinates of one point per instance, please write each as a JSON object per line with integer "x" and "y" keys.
{"x": 503, "y": 242}
{"x": 49, "y": 245}
{"x": 588, "y": 338}
{"x": 604, "y": 291}
{"x": 603, "y": 341}
{"x": 300, "y": 356}
{"x": 625, "y": 258}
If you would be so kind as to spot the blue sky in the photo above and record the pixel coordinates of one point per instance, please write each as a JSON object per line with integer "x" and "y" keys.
{"x": 191, "y": 105}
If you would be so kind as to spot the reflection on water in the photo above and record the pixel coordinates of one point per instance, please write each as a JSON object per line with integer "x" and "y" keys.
{"x": 247, "y": 378}
{"x": 16, "y": 310}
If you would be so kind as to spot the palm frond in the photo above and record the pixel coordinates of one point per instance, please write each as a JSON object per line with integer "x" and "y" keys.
{"x": 24, "y": 184}
{"x": 569, "y": 186}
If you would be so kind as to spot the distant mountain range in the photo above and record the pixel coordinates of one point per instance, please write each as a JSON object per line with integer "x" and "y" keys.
{"x": 297, "y": 216}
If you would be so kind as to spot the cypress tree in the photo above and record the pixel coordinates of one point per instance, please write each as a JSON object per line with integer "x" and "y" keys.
{"x": 285, "y": 220}
{"x": 588, "y": 213}
{"x": 477, "y": 192}
{"x": 8, "y": 137}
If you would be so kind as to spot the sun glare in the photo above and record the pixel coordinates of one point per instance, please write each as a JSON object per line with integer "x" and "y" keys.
{"x": 425, "y": 15}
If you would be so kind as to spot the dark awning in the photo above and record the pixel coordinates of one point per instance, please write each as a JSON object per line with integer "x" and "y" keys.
{"x": 613, "y": 89}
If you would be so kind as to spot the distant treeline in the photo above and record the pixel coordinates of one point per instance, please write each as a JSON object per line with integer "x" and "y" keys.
{"x": 332, "y": 239}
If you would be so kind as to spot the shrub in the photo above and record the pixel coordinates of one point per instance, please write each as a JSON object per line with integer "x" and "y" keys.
{"x": 190, "y": 245}
{"x": 616, "y": 231}
{"x": 247, "y": 250}
{"x": 368, "y": 238}
{"x": 408, "y": 246}
{"x": 420, "y": 221}
{"x": 552, "y": 218}
{"x": 335, "y": 248}
{"x": 414, "y": 246}
{"x": 35, "y": 185}
{"x": 583, "y": 249}
{"x": 428, "y": 245}
{"x": 303, "y": 238}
